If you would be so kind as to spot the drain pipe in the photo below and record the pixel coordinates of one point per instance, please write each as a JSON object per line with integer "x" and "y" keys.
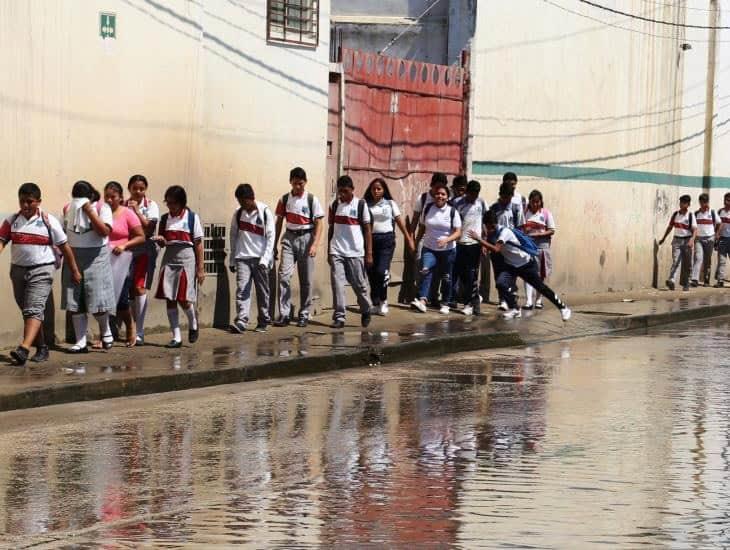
{"x": 714, "y": 13}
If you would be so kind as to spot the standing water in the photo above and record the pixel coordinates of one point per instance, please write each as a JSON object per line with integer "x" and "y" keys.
{"x": 620, "y": 440}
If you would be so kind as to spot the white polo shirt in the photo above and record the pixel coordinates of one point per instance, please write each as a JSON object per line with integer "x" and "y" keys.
{"x": 177, "y": 230}
{"x": 384, "y": 214}
{"x": 347, "y": 237}
{"x": 683, "y": 223}
{"x": 471, "y": 214}
{"x": 90, "y": 238}
{"x": 512, "y": 254}
{"x": 438, "y": 225}
{"x": 297, "y": 214}
{"x": 32, "y": 245}
{"x": 252, "y": 235}
{"x": 724, "y": 216}
{"x": 706, "y": 222}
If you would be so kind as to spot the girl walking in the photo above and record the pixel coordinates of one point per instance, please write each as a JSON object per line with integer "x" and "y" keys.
{"x": 385, "y": 217}
{"x": 181, "y": 234}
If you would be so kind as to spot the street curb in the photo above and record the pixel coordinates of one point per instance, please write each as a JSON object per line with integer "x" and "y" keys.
{"x": 302, "y": 365}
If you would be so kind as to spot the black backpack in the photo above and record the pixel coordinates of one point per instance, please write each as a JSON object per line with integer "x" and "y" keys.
{"x": 428, "y": 208}
{"x": 310, "y": 204}
{"x": 361, "y": 205}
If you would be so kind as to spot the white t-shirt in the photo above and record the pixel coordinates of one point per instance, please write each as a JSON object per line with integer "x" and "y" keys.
{"x": 297, "y": 214}
{"x": 537, "y": 222}
{"x": 519, "y": 200}
{"x": 438, "y": 224}
{"x": 513, "y": 255}
{"x": 252, "y": 235}
{"x": 384, "y": 214}
{"x": 471, "y": 214}
{"x": 724, "y": 216}
{"x": 419, "y": 204}
{"x": 683, "y": 223}
{"x": 177, "y": 230}
{"x": 31, "y": 245}
{"x": 347, "y": 238}
{"x": 706, "y": 223}
{"x": 90, "y": 238}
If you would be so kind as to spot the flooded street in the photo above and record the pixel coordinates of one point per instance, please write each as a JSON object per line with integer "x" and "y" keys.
{"x": 620, "y": 440}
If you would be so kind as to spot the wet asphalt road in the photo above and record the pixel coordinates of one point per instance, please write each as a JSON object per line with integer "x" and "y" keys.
{"x": 621, "y": 440}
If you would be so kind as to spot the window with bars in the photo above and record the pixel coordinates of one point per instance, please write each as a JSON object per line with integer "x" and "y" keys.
{"x": 214, "y": 248}
{"x": 293, "y": 21}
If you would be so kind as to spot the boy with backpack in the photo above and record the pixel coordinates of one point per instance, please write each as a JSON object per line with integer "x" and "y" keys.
{"x": 723, "y": 242}
{"x": 37, "y": 239}
{"x": 519, "y": 253}
{"x": 350, "y": 245}
{"x": 707, "y": 224}
{"x": 252, "y": 253}
{"x": 471, "y": 208}
{"x": 684, "y": 225}
{"x": 510, "y": 215}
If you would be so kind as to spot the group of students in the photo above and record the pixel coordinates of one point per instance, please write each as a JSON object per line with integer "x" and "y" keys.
{"x": 108, "y": 246}
{"x": 696, "y": 235}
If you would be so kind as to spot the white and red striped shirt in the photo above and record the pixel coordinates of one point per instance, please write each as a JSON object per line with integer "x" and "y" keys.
{"x": 683, "y": 224}
{"x": 297, "y": 214}
{"x": 347, "y": 237}
{"x": 177, "y": 230}
{"x": 252, "y": 235}
{"x": 706, "y": 222}
{"x": 31, "y": 238}
{"x": 724, "y": 216}
{"x": 537, "y": 222}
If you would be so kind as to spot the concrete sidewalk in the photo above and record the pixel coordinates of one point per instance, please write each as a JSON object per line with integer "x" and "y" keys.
{"x": 405, "y": 335}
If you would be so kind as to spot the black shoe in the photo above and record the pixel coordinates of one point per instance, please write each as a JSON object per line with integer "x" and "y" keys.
{"x": 41, "y": 355}
{"x": 282, "y": 322}
{"x": 337, "y": 324}
{"x": 685, "y": 288}
{"x": 20, "y": 356}
{"x": 193, "y": 335}
{"x": 73, "y": 350}
{"x": 238, "y": 327}
{"x": 365, "y": 320}
{"x": 302, "y": 322}
{"x": 107, "y": 344}
{"x": 719, "y": 284}
{"x": 670, "y": 284}
{"x": 694, "y": 284}
{"x": 174, "y": 344}
{"x": 261, "y": 327}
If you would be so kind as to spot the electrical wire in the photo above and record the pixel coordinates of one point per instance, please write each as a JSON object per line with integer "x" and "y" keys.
{"x": 404, "y": 31}
{"x": 650, "y": 19}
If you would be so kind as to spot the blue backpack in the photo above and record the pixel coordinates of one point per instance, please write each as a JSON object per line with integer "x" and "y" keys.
{"x": 526, "y": 243}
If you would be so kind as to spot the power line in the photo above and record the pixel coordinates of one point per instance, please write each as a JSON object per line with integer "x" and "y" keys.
{"x": 404, "y": 31}
{"x": 650, "y": 19}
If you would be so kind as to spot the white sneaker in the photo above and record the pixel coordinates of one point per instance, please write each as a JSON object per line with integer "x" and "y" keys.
{"x": 419, "y": 305}
{"x": 444, "y": 310}
{"x": 565, "y": 313}
{"x": 383, "y": 309}
{"x": 512, "y": 314}
{"x": 503, "y": 306}
{"x": 538, "y": 304}
{"x": 468, "y": 310}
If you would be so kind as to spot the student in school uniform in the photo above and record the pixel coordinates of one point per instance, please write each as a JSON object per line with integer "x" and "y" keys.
{"x": 33, "y": 235}
{"x": 440, "y": 228}
{"x": 722, "y": 237}
{"x": 510, "y": 215}
{"x": 252, "y": 254}
{"x": 300, "y": 214}
{"x": 182, "y": 269}
{"x": 458, "y": 188}
{"x": 684, "y": 225}
{"x": 350, "y": 246}
{"x": 510, "y": 178}
{"x": 518, "y": 263}
{"x": 386, "y": 216}
{"x": 540, "y": 227}
{"x": 144, "y": 256}
{"x": 707, "y": 224}
{"x": 471, "y": 208}
{"x": 88, "y": 222}
{"x": 426, "y": 198}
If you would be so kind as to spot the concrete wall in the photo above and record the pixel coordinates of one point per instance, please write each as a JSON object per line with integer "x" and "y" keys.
{"x": 606, "y": 120}
{"x": 189, "y": 93}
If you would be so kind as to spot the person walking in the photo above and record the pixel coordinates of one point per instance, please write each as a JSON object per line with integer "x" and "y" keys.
{"x": 684, "y": 225}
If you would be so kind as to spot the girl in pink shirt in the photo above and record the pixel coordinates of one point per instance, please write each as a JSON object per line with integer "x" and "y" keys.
{"x": 126, "y": 233}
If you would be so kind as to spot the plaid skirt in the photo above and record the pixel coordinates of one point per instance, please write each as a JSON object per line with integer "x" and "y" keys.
{"x": 95, "y": 294}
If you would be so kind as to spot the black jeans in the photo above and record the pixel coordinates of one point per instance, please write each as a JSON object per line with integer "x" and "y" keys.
{"x": 498, "y": 266}
{"x": 530, "y": 273}
{"x": 466, "y": 273}
{"x": 379, "y": 273}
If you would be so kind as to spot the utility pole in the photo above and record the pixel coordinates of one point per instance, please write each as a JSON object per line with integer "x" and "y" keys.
{"x": 714, "y": 18}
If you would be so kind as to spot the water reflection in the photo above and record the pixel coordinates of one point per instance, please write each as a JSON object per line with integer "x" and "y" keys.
{"x": 613, "y": 440}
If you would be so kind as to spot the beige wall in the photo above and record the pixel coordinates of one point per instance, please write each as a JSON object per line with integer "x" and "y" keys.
{"x": 567, "y": 90}
{"x": 188, "y": 93}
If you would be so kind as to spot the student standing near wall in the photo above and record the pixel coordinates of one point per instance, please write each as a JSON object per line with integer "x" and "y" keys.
{"x": 685, "y": 231}
{"x": 540, "y": 227}
{"x": 723, "y": 242}
{"x": 707, "y": 224}
{"x": 510, "y": 215}
{"x": 471, "y": 208}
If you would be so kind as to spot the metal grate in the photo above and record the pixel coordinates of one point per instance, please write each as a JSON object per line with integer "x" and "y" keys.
{"x": 293, "y": 21}
{"x": 214, "y": 243}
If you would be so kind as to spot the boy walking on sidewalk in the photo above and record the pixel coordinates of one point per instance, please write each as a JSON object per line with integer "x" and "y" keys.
{"x": 685, "y": 231}
{"x": 252, "y": 253}
{"x": 723, "y": 242}
{"x": 471, "y": 208}
{"x": 350, "y": 241}
{"x": 707, "y": 224}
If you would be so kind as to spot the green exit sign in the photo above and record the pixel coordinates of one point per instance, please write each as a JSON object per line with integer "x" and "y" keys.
{"x": 108, "y": 25}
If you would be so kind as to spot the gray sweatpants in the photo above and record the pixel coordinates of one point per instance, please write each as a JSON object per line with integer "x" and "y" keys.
{"x": 348, "y": 270}
{"x": 723, "y": 251}
{"x": 250, "y": 272}
{"x": 295, "y": 252}
{"x": 681, "y": 253}
{"x": 31, "y": 288}
{"x": 703, "y": 259}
